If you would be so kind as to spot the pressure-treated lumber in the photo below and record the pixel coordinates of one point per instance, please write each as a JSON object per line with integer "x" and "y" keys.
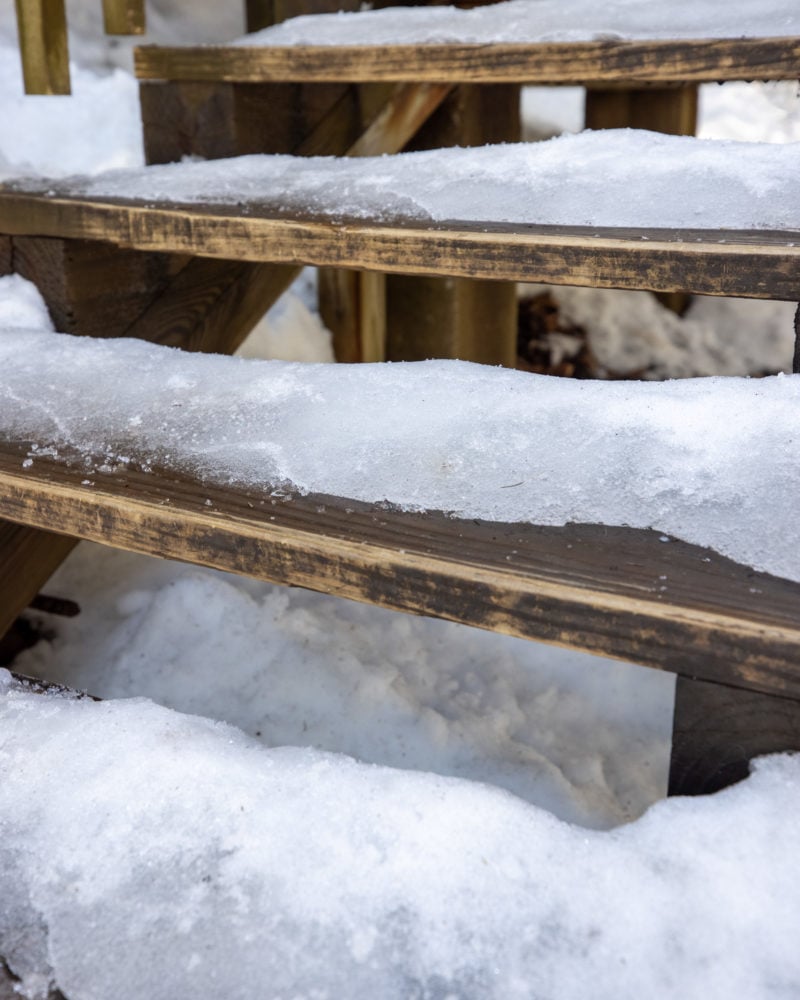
{"x": 589, "y": 587}
{"x": 124, "y": 17}
{"x": 42, "y": 30}
{"x": 625, "y": 63}
{"x": 752, "y": 264}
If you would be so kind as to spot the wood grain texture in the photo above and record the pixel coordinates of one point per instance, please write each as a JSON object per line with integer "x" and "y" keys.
{"x": 42, "y": 32}
{"x": 124, "y": 17}
{"x": 588, "y": 587}
{"x": 718, "y": 730}
{"x": 352, "y": 306}
{"x": 28, "y": 557}
{"x": 571, "y": 63}
{"x": 751, "y": 264}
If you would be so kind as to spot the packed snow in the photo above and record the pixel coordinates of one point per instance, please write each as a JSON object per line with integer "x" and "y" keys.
{"x": 624, "y": 178}
{"x": 708, "y": 460}
{"x": 376, "y": 880}
{"x": 133, "y": 835}
{"x": 520, "y": 21}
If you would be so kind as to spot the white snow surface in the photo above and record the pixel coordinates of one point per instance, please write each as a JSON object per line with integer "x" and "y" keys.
{"x": 625, "y": 178}
{"x": 127, "y": 826}
{"x": 711, "y": 461}
{"x": 539, "y": 21}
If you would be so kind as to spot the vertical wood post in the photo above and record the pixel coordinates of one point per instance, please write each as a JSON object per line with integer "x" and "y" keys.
{"x": 458, "y": 317}
{"x": 42, "y": 30}
{"x": 672, "y": 110}
{"x": 124, "y": 17}
{"x": 717, "y": 730}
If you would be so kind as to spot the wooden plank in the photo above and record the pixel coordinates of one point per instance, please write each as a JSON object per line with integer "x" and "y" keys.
{"x": 752, "y": 264}
{"x": 28, "y": 557}
{"x": 42, "y": 30}
{"x": 661, "y": 62}
{"x": 124, "y": 17}
{"x": 718, "y": 730}
{"x": 586, "y": 586}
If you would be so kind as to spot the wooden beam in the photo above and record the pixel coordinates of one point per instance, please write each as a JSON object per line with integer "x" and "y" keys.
{"x": 719, "y": 729}
{"x": 42, "y": 30}
{"x": 589, "y": 587}
{"x": 628, "y": 63}
{"x": 124, "y": 17}
{"x": 750, "y": 263}
{"x": 28, "y": 558}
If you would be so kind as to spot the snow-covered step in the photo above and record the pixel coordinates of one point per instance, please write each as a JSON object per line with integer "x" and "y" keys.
{"x": 622, "y": 209}
{"x": 338, "y": 478}
{"x": 547, "y": 41}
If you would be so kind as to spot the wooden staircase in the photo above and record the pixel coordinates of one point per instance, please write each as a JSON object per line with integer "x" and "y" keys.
{"x": 198, "y": 276}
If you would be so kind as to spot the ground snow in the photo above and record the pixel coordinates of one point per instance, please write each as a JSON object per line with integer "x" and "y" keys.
{"x": 160, "y": 827}
{"x": 521, "y": 21}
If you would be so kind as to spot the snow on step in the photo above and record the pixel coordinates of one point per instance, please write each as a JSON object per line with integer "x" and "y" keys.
{"x": 623, "y": 178}
{"x": 713, "y": 461}
{"x": 521, "y": 21}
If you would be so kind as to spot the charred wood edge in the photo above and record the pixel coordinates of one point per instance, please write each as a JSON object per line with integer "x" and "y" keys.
{"x": 35, "y": 685}
{"x": 796, "y": 359}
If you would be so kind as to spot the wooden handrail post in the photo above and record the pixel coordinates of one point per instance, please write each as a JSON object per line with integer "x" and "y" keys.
{"x": 124, "y": 17}
{"x": 42, "y": 29}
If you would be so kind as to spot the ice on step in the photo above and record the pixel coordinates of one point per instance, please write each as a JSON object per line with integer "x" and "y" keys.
{"x": 713, "y": 461}
{"x": 624, "y": 178}
{"x": 522, "y": 21}
{"x": 150, "y": 854}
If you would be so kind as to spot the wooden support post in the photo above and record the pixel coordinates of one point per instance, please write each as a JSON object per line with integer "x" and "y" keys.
{"x": 353, "y": 307}
{"x": 124, "y": 17}
{"x": 458, "y": 318}
{"x": 42, "y": 30}
{"x": 717, "y": 730}
{"x": 28, "y": 558}
{"x": 672, "y": 110}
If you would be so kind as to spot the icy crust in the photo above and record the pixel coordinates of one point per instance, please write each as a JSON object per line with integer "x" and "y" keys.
{"x": 522, "y": 21}
{"x": 713, "y": 461}
{"x": 148, "y": 854}
{"x": 623, "y": 178}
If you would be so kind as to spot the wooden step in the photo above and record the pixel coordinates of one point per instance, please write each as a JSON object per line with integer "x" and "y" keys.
{"x": 598, "y": 63}
{"x": 751, "y": 264}
{"x": 591, "y": 587}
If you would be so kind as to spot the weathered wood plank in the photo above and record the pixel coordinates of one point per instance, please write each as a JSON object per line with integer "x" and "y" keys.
{"x": 124, "y": 17}
{"x": 28, "y": 557}
{"x": 589, "y": 587}
{"x": 718, "y": 729}
{"x": 599, "y": 62}
{"x": 752, "y": 264}
{"x": 42, "y": 31}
